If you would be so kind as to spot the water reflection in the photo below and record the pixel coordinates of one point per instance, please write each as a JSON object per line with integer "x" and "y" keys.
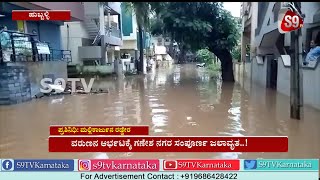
{"x": 180, "y": 101}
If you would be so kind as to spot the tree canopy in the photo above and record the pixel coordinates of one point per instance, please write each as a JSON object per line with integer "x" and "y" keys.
{"x": 197, "y": 25}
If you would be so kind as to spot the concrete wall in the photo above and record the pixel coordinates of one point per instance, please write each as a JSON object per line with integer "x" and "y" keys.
{"x": 130, "y": 44}
{"x": 283, "y": 79}
{"x": 14, "y": 84}
{"x": 72, "y": 38}
{"x": 310, "y": 83}
{"x": 247, "y": 70}
{"x": 113, "y": 40}
{"x": 311, "y": 86}
{"x": 259, "y": 72}
{"x": 103, "y": 69}
{"x": 89, "y": 52}
{"x": 309, "y": 9}
{"x": 37, "y": 71}
{"x": 110, "y": 56}
{"x": 20, "y": 82}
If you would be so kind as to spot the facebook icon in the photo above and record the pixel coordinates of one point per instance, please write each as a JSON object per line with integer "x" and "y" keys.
{"x": 7, "y": 165}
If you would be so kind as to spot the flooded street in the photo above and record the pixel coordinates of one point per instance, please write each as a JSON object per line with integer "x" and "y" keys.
{"x": 181, "y": 101}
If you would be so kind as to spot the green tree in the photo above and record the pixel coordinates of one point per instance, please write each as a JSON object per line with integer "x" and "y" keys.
{"x": 196, "y": 25}
{"x": 143, "y": 11}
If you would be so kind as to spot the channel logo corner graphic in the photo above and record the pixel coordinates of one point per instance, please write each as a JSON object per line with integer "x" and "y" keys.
{"x": 289, "y": 20}
{"x": 7, "y": 165}
{"x": 170, "y": 164}
{"x": 250, "y": 164}
{"x": 84, "y": 165}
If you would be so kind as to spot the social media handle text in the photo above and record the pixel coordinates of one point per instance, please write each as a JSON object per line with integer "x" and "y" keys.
{"x": 129, "y": 176}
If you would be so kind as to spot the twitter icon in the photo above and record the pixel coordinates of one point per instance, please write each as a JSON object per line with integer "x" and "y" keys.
{"x": 250, "y": 164}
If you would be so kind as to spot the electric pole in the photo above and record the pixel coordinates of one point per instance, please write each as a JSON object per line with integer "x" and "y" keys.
{"x": 295, "y": 103}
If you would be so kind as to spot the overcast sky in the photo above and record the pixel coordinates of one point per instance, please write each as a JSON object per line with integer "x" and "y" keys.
{"x": 233, "y": 7}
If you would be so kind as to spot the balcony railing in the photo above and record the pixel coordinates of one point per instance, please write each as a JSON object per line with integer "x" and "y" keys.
{"x": 21, "y": 47}
{"x": 114, "y": 31}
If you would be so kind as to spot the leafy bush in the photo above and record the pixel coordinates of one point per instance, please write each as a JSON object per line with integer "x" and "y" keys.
{"x": 214, "y": 69}
{"x": 205, "y": 56}
{"x": 236, "y": 53}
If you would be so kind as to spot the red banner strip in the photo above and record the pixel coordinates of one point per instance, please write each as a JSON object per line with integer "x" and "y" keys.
{"x": 37, "y": 15}
{"x": 168, "y": 144}
{"x": 99, "y": 130}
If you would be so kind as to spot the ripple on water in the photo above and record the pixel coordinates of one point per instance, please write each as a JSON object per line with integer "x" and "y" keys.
{"x": 159, "y": 120}
{"x": 156, "y": 111}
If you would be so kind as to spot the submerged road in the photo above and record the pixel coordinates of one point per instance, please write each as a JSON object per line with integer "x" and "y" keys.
{"x": 182, "y": 100}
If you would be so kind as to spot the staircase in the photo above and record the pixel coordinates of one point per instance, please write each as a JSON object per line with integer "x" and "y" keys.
{"x": 92, "y": 26}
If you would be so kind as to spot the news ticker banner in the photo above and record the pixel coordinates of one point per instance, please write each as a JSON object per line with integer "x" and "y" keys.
{"x": 157, "y": 165}
{"x": 167, "y": 144}
{"x": 262, "y": 169}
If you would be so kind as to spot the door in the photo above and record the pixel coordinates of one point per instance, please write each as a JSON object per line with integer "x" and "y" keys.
{"x": 272, "y": 71}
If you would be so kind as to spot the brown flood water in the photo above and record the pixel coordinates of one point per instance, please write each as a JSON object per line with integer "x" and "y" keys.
{"x": 179, "y": 101}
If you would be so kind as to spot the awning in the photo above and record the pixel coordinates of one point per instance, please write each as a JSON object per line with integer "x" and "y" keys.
{"x": 269, "y": 39}
{"x": 316, "y": 17}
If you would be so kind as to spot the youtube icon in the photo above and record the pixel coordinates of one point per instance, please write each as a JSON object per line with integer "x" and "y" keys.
{"x": 167, "y": 165}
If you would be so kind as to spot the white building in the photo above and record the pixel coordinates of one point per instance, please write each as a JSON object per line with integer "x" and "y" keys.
{"x": 95, "y": 40}
{"x": 267, "y": 61}
{"x": 129, "y": 25}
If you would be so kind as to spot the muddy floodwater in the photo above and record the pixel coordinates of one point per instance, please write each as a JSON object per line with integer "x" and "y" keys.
{"x": 179, "y": 101}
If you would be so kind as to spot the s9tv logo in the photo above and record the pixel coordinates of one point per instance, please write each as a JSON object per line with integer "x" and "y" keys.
{"x": 289, "y": 20}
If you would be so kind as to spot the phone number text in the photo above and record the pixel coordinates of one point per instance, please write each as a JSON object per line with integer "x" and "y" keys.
{"x": 209, "y": 176}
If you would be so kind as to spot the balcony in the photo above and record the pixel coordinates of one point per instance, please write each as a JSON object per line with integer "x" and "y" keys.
{"x": 115, "y": 32}
{"x": 113, "y": 36}
{"x": 21, "y": 47}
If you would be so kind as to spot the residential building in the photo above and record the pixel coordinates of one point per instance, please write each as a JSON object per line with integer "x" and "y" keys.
{"x": 20, "y": 58}
{"x": 97, "y": 39}
{"x": 265, "y": 52}
{"x": 47, "y": 31}
{"x": 130, "y": 33}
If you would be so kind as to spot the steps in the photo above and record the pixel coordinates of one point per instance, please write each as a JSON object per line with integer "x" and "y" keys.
{"x": 92, "y": 26}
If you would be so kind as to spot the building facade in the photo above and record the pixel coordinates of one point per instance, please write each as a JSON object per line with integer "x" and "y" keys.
{"x": 21, "y": 62}
{"x": 47, "y": 31}
{"x": 265, "y": 52}
{"x": 95, "y": 40}
{"x": 130, "y": 33}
